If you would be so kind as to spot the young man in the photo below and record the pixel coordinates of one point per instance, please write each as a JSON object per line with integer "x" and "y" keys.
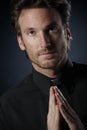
{"x": 52, "y": 97}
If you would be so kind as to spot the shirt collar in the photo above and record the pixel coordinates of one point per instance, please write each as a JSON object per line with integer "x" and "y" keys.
{"x": 43, "y": 82}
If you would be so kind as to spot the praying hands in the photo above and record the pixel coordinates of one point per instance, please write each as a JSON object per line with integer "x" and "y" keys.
{"x": 60, "y": 108}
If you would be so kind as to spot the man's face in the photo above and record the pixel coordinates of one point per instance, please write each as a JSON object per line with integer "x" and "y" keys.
{"x": 43, "y": 36}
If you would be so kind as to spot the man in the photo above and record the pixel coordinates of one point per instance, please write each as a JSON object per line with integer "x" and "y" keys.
{"x": 54, "y": 96}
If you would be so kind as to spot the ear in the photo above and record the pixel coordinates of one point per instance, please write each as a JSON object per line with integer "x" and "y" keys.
{"x": 68, "y": 33}
{"x": 21, "y": 43}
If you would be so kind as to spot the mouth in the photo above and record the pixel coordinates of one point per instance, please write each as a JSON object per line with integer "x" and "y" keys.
{"x": 48, "y": 53}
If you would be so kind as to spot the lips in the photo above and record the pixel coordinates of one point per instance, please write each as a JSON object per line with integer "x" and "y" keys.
{"x": 47, "y": 52}
{"x": 48, "y": 55}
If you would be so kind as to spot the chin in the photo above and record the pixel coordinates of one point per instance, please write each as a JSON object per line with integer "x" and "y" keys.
{"x": 49, "y": 65}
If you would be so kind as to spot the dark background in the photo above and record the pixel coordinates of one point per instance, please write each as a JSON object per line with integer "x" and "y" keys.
{"x": 14, "y": 66}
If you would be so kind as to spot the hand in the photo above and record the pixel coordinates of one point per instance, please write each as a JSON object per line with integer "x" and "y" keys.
{"x": 53, "y": 117}
{"x": 67, "y": 112}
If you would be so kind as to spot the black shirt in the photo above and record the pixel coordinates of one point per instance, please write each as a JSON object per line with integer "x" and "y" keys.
{"x": 25, "y": 106}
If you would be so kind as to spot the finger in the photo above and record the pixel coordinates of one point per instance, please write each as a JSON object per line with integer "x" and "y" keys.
{"x": 53, "y": 117}
{"x": 67, "y": 113}
{"x": 65, "y": 109}
{"x": 53, "y": 108}
{"x": 52, "y": 96}
{"x": 61, "y": 97}
{"x": 63, "y": 100}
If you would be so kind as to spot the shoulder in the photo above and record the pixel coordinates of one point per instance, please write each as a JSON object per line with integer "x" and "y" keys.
{"x": 25, "y": 87}
{"x": 80, "y": 77}
{"x": 80, "y": 65}
{"x": 80, "y": 69}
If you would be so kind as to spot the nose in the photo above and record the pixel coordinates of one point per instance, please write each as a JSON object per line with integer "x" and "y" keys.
{"x": 44, "y": 39}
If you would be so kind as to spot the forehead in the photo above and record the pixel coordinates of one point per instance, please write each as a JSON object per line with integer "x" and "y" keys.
{"x": 38, "y": 17}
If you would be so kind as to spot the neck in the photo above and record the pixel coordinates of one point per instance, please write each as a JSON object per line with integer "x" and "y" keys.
{"x": 52, "y": 72}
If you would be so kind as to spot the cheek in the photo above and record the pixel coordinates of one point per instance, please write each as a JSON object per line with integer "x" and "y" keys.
{"x": 31, "y": 51}
{"x": 61, "y": 46}
{"x": 29, "y": 43}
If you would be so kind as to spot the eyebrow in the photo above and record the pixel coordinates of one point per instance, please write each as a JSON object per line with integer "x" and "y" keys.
{"x": 28, "y": 29}
{"x": 52, "y": 24}
{"x": 48, "y": 26}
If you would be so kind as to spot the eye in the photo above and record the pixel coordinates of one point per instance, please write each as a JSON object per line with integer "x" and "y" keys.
{"x": 31, "y": 33}
{"x": 53, "y": 29}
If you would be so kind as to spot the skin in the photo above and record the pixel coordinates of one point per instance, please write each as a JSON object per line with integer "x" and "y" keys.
{"x": 54, "y": 116}
{"x": 58, "y": 106}
{"x": 46, "y": 40}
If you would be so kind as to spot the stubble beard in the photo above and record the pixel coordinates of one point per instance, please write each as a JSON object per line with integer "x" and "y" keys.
{"x": 52, "y": 64}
